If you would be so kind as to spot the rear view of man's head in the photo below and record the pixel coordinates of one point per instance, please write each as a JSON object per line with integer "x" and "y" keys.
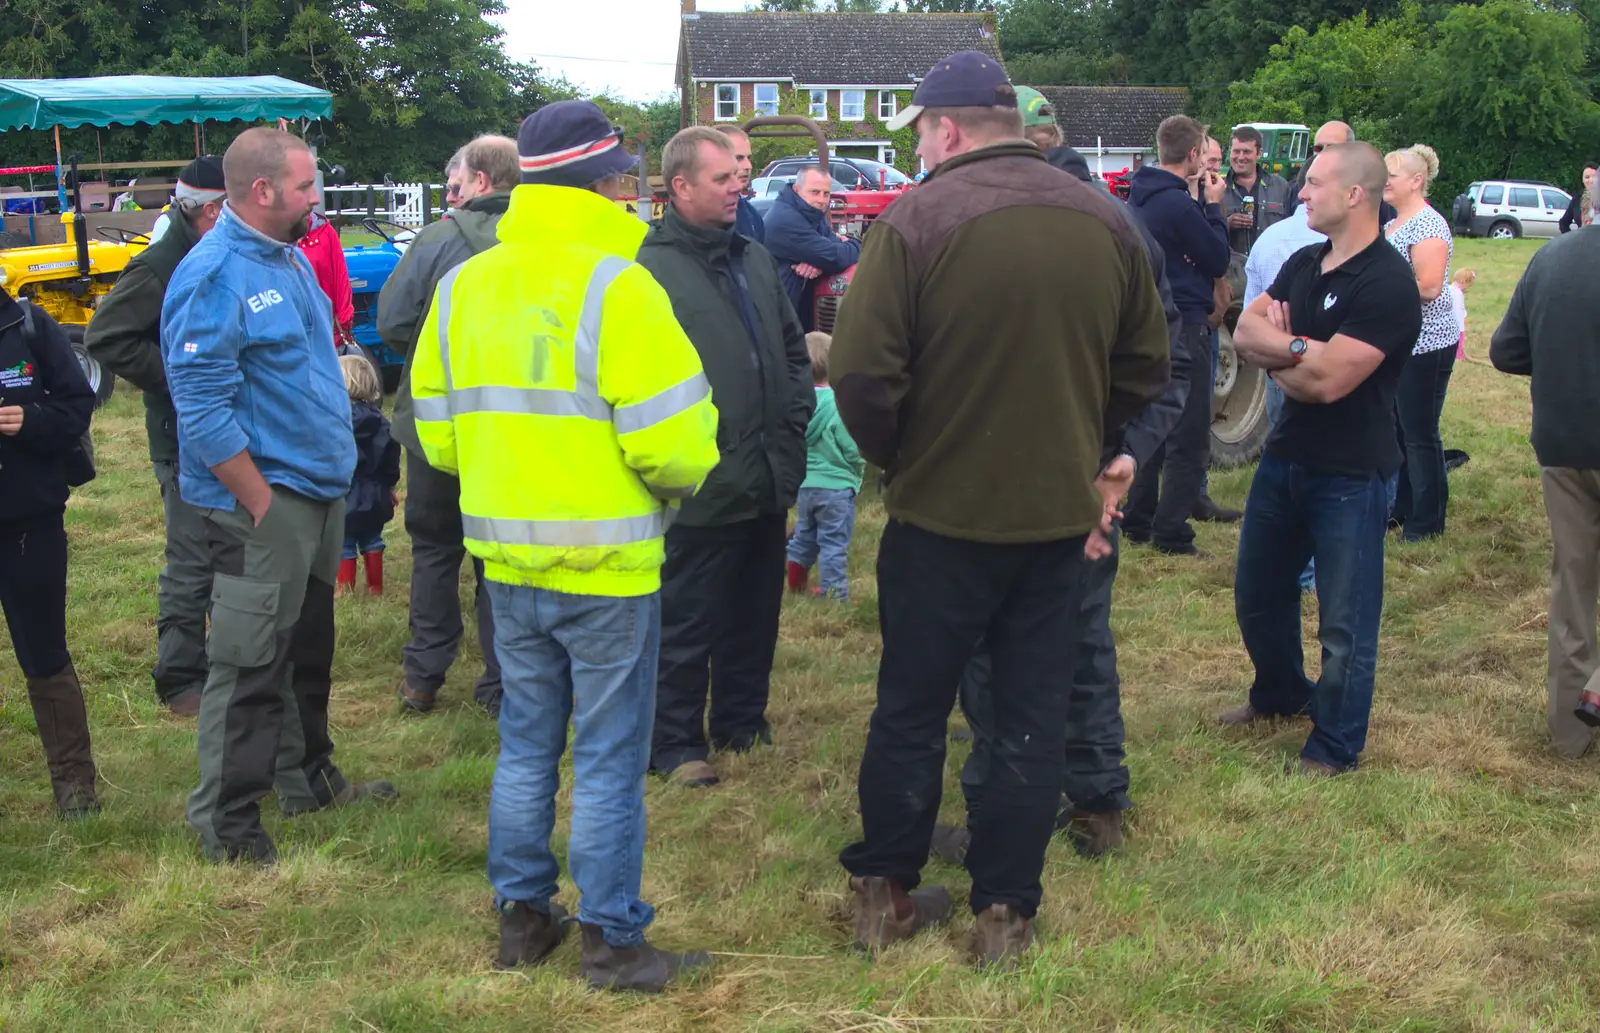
{"x": 964, "y": 102}
{"x": 271, "y": 179}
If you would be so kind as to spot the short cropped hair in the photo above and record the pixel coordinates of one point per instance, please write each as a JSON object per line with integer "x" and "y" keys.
{"x": 1250, "y": 135}
{"x": 1176, "y": 137}
{"x": 258, "y": 153}
{"x": 681, "y": 155}
{"x": 496, "y": 158}
{"x": 983, "y": 123}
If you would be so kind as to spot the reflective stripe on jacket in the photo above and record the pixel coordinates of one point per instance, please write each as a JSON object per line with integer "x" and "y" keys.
{"x": 552, "y": 378}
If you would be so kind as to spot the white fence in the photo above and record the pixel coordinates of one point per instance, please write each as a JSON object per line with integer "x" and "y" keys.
{"x": 407, "y": 204}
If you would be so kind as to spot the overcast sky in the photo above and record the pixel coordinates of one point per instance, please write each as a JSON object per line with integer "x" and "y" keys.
{"x": 628, "y": 46}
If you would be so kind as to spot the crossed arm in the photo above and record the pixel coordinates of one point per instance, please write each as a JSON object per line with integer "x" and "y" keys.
{"x": 1329, "y": 370}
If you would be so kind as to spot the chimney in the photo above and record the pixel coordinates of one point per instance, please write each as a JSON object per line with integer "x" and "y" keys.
{"x": 688, "y": 6}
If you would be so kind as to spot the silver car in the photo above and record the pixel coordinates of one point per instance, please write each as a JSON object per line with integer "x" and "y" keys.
{"x": 1508, "y": 208}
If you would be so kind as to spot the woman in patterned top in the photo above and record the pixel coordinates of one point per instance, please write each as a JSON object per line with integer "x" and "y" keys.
{"x": 1423, "y": 236}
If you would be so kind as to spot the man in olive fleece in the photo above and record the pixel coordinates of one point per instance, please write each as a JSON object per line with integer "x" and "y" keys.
{"x": 125, "y": 337}
{"x": 485, "y": 172}
{"x": 986, "y": 398}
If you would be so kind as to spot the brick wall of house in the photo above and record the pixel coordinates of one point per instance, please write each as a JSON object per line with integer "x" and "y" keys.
{"x": 705, "y": 113}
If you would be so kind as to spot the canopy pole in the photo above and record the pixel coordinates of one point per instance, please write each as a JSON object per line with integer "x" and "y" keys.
{"x": 197, "y": 139}
{"x": 61, "y": 183}
{"x": 99, "y": 148}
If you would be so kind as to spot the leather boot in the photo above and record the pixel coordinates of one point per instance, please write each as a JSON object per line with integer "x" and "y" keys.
{"x": 64, "y": 729}
{"x": 346, "y": 579}
{"x": 798, "y": 576}
{"x": 885, "y": 913}
{"x": 1092, "y": 833}
{"x": 643, "y": 969}
{"x": 374, "y": 565}
{"x": 528, "y": 935}
{"x": 1000, "y": 935}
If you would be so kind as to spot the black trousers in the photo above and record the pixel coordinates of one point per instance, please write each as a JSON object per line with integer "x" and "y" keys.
{"x": 721, "y": 595}
{"x": 1166, "y": 488}
{"x": 33, "y": 593}
{"x": 1423, "y": 492}
{"x": 936, "y": 597}
{"x": 1096, "y": 776}
{"x": 433, "y": 520}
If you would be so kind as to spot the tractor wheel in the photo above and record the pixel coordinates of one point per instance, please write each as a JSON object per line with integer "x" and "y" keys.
{"x": 101, "y": 381}
{"x": 1238, "y": 408}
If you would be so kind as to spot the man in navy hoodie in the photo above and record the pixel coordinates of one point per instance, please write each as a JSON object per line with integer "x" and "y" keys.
{"x": 748, "y": 221}
{"x": 1194, "y": 236}
{"x": 800, "y": 239}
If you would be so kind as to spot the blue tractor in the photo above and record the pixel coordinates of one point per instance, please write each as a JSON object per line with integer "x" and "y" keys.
{"x": 370, "y": 266}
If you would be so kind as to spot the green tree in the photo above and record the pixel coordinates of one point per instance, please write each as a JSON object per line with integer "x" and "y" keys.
{"x": 1502, "y": 94}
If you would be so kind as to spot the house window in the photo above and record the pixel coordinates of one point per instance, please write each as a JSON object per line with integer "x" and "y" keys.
{"x": 853, "y": 105}
{"x": 819, "y": 104}
{"x": 886, "y": 105}
{"x": 727, "y": 101}
{"x": 888, "y": 156}
{"x": 766, "y": 98}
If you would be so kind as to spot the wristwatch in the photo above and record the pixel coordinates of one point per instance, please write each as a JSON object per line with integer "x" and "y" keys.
{"x": 1297, "y": 349}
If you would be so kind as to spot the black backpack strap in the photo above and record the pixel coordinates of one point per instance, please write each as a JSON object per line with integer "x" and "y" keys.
{"x": 30, "y": 330}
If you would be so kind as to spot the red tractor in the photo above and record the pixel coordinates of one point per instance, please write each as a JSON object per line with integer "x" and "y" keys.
{"x": 852, "y": 211}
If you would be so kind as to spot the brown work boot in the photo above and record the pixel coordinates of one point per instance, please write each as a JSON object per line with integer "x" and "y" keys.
{"x": 1094, "y": 833}
{"x": 64, "y": 730}
{"x": 1239, "y": 717}
{"x": 414, "y": 699}
{"x": 950, "y": 843}
{"x": 695, "y": 774}
{"x": 185, "y": 703}
{"x": 1000, "y": 935}
{"x": 528, "y": 935}
{"x": 885, "y": 913}
{"x": 1313, "y": 768}
{"x": 379, "y": 791}
{"x": 643, "y": 969}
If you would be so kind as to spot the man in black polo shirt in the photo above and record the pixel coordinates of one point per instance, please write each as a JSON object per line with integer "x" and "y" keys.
{"x": 1334, "y": 330}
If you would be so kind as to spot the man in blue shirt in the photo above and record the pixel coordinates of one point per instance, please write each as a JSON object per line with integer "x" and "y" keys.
{"x": 799, "y": 237}
{"x": 266, "y": 452}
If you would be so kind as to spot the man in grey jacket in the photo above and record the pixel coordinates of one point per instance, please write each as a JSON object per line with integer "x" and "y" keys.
{"x": 488, "y": 170}
{"x": 125, "y": 336}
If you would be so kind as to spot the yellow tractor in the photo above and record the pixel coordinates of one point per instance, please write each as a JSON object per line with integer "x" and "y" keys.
{"x": 67, "y": 270}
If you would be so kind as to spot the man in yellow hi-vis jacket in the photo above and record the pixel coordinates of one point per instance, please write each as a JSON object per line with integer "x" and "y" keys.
{"x": 552, "y": 378}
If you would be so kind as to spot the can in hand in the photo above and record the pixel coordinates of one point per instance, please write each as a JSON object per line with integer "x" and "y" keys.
{"x": 1249, "y": 206}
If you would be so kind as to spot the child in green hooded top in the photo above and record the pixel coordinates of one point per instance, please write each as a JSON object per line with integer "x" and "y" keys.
{"x": 826, "y": 517}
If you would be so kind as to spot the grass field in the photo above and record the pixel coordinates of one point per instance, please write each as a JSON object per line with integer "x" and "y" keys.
{"x": 1450, "y": 884}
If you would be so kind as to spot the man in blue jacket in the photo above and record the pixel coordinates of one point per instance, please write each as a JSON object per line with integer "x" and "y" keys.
{"x": 1194, "y": 236}
{"x": 266, "y": 453}
{"x": 800, "y": 239}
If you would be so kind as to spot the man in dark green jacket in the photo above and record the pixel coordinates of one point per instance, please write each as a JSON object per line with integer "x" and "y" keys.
{"x": 722, "y": 585}
{"x": 488, "y": 170}
{"x": 125, "y": 336}
{"x": 1002, "y": 327}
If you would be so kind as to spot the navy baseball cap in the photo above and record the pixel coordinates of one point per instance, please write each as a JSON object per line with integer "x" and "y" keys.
{"x": 570, "y": 143}
{"x": 968, "y": 79}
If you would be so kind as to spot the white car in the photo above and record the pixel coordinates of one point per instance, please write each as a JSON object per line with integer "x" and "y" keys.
{"x": 1507, "y": 208}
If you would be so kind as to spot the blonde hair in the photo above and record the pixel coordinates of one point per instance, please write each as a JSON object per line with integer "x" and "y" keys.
{"x": 818, "y": 344}
{"x": 1046, "y": 138}
{"x": 1419, "y": 157}
{"x": 1464, "y": 277}
{"x": 360, "y": 379}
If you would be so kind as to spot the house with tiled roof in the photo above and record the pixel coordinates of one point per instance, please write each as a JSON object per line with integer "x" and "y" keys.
{"x": 1116, "y": 123}
{"x": 849, "y": 72}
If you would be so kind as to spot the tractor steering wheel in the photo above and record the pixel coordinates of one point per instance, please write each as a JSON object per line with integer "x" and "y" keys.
{"x": 120, "y": 235}
{"x": 376, "y": 228}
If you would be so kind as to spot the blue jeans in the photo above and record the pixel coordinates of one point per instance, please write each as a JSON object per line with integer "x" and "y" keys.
{"x": 824, "y": 522}
{"x": 1308, "y": 577}
{"x": 360, "y": 545}
{"x": 1293, "y": 514}
{"x": 591, "y": 659}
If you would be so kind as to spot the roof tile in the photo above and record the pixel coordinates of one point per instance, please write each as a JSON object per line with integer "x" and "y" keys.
{"x": 836, "y": 49}
{"x": 1121, "y": 116}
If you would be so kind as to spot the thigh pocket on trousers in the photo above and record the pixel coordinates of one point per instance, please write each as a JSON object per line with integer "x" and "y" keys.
{"x": 604, "y": 632}
{"x": 244, "y": 621}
